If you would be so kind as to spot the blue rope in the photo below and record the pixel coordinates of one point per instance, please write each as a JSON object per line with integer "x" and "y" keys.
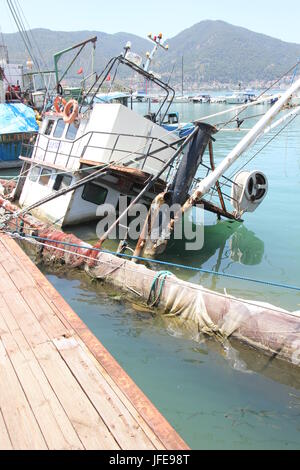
{"x": 158, "y": 284}
{"x": 172, "y": 265}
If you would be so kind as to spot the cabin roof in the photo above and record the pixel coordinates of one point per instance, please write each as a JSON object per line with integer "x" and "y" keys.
{"x": 109, "y": 97}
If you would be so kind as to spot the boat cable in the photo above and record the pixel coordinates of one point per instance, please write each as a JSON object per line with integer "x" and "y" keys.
{"x": 264, "y": 146}
{"x": 166, "y": 263}
{"x": 23, "y": 33}
{"x": 172, "y": 279}
{"x": 294, "y": 68}
{"x": 259, "y": 100}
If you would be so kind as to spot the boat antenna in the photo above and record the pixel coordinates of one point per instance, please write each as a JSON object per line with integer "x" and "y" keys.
{"x": 158, "y": 41}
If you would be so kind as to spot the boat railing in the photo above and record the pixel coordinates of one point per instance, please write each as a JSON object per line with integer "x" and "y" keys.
{"x": 70, "y": 154}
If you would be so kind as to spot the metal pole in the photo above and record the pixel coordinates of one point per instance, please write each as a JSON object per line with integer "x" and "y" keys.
{"x": 182, "y": 88}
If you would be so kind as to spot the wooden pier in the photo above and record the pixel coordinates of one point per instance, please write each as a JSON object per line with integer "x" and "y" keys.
{"x": 59, "y": 387}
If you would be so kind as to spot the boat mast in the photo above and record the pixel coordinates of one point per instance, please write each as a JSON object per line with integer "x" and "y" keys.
{"x": 158, "y": 43}
{"x": 205, "y": 186}
{"x": 182, "y": 84}
{"x": 58, "y": 56}
{"x": 2, "y": 89}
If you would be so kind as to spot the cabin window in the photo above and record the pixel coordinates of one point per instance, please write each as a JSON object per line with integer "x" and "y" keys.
{"x": 35, "y": 174}
{"x": 45, "y": 176}
{"x": 71, "y": 132}
{"x": 49, "y": 127}
{"x": 62, "y": 182}
{"x": 59, "y": 130}
{"x": 94, "y": 194}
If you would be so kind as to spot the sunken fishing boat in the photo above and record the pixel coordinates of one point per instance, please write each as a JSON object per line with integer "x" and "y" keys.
{"x": 89, "y": 157}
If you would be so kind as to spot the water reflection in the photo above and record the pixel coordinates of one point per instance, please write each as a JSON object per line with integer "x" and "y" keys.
{"x": 246, "y": 248}
{"x": 225, "y": 243}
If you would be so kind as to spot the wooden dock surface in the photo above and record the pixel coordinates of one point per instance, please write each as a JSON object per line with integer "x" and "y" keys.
{"x": 60, "y": 389}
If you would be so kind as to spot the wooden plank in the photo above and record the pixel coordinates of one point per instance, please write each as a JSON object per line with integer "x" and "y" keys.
{"x": 26, "y": 285}
{"x": 89, "y": 426}
{"x": 137, "y": 417}
{"x": 21, "y": 424}
{"x": 125, "y": 429}
{"x": 134, "y": 442}
{"x": 39, "y": 403}
{"x": 57, "y": 365}
{"x": 22, "y": 314}
{"x": 45, "y": 315}
{"x": 5, "y": 442}
{"x": 42, "y": 281}
{"x": 161, "y": 434}
{"x": 8, "y": 324}
{"x": 127, "y": 403}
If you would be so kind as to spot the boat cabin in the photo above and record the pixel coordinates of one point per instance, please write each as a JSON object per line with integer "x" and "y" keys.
{"x": 111, "y": 135}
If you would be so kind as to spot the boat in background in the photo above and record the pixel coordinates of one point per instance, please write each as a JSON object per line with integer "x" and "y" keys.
{"x": 241, "y": 97}
{"x": 181, "y": 99}
{"x": 201, "y": 99}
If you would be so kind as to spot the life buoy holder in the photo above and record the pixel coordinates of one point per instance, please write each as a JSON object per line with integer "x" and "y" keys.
{"x": 71, "y": 111}
{"x": 60, "y": 90}
{"x": 59, "y": 104}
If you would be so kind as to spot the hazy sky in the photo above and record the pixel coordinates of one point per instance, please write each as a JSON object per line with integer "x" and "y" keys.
{"x": 273, "y": 17}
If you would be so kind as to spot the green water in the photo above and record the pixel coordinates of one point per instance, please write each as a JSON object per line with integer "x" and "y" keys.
{"x": 215, "y": 398}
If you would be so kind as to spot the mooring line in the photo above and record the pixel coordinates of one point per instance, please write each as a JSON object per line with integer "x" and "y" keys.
{"x": 175, "y": 280}
{"x": 169, "y": 264}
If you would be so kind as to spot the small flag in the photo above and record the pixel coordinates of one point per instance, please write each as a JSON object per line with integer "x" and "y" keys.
{"x": 80, "y": 71}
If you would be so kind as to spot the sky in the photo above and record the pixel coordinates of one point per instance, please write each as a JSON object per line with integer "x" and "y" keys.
{"x": 275, "y": 18}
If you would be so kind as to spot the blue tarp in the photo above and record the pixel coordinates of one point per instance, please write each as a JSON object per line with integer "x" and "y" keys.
{"x": 16, "y": 118}
{"x": 180, "y": 131}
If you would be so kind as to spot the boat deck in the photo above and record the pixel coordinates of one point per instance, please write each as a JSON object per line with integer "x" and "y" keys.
{"x": 59, "y": 387}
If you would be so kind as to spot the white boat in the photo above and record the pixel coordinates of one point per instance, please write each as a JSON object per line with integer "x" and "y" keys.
{"x": 218, "y": 100}
{"x": 181, "y": 99}
{"x": 201, "y": 99}
{"x": 241, "y": 97}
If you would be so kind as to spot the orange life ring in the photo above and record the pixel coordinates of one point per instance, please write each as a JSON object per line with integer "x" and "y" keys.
{"x": 71, "y": 111}
{"x": 59, "y": 104}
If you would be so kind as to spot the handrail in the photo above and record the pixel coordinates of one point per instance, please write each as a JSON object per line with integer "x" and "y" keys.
{"x": 146, "y": 137}
{"x": 140, "y": 156}
{"x": 69, "y": 155}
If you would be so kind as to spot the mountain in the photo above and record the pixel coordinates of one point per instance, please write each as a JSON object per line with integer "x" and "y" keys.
{"x": 46, "y": 43}
{"x": 218, "y": 51}
{"x": 214, "y": 51}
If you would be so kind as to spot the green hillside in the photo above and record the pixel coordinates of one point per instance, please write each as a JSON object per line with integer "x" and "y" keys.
{"x": 212, "y": 50}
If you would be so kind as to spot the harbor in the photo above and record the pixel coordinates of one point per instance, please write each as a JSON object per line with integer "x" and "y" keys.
{"x": 152, "y": 188}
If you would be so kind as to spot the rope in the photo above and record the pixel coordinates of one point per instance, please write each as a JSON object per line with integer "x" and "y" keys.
{"x": 262, "y": 148}
{"x": 157, "y": 285}
{"x": 294, "y": 68}
{"x": 169, "y": 264}
{"x": 174, "y": 279}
